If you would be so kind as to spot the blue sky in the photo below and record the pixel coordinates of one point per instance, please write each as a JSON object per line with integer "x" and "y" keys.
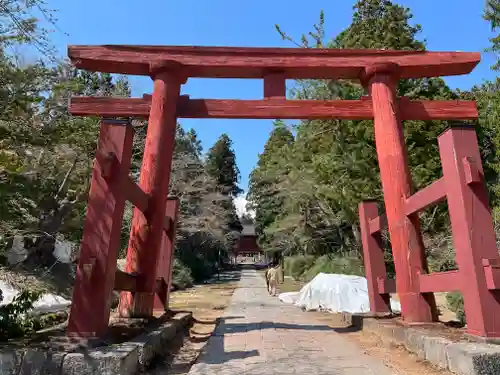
{"x": 453, "y": 25}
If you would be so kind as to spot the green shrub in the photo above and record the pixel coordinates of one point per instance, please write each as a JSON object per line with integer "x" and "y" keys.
{"x": 181, "y": 275}
{"x": 296, "y": 266}
{"x": 200, "y": 254}
{"x": 306, "y": 267}
{"x": 14, "y": 320}
{"x": 455, "y": 302}
{"x": 335, "y": 264}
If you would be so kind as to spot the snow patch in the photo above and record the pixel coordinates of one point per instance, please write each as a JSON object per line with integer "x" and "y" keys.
{"x": 46, "y": 304}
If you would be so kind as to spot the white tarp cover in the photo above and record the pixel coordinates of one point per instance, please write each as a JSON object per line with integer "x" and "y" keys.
{"x": 334, "y": 293}
{"x": 47, "y": 302}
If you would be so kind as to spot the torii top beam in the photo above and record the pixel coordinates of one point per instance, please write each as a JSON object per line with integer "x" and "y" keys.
{"x": 246, "y": 62}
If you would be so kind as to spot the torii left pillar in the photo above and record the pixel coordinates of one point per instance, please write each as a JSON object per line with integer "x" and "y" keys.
{"x": 407, "y": 245}
{"x": 146, "y": 234}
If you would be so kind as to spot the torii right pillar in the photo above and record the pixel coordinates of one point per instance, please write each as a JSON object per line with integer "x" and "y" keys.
{"x": 381, "y": 80}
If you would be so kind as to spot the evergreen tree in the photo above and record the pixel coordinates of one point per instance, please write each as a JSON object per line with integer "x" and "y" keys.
{"x": 492, "y": 15}
{"x": 380, "y": 24}
{"x": 264, "y": 195}
{"x": 221, "y": 165}
{"x": 334, "y": 164}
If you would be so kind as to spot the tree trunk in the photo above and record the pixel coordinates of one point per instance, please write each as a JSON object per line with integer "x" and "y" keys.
{"x": 356, "y": 233}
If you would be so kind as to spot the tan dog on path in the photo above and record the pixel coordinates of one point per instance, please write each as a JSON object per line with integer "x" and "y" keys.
{"x": 272, "y": 279}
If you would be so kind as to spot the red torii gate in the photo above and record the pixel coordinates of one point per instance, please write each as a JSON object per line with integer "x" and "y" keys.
{"x": 170, "y": 67}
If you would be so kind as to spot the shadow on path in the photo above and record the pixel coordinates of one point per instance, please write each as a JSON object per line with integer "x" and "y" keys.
{"x": 230, "y": 328}
{"x": 216, "y": 353}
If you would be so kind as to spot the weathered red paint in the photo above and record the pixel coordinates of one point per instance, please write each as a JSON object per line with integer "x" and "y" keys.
{"x": 90, "y": 306}
{"x": 386, "y": 286}
{"x": 472, "y": 226}
{"x": 439, "y": 282}
{"x": 248, "y": 62}
{"x": 463, "y": 185}
{"x": 165, "y": 262}
{"x": 407, "y": 245}
{"x": 275, "y": 86}
{"x": 478, "y": 275}
{"x": 428, "y": 196}
{"x": 146, "y": 234}
{"x": 373, "y": 256}
{"x": 492, "y": 273}
{"x": 378, "y": 223}
{"x": 273, "y": 109}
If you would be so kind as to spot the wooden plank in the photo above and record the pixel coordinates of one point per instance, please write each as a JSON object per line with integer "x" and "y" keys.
{"x": 89, "y": 314}
{"x": 272, "y": 109}
{"x": 239, "y": 62}
{"x": 135, "y": 195}
{"x": 275, "y": 86}
{"x": 125, "y": 281}
{"x": 492, "y": 273}
{"x": 386, "y": 286}
{"x": 426, "y": 197}
{"x": 373, "y": 257}
{"x": 439, "y": 282}
{"x": 472, "y": 172}
{"x": 378, "y": 223}
{"x": 165, "y": 261}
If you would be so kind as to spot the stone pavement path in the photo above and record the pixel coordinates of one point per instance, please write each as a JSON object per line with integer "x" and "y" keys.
{"x": 260, "y": 335}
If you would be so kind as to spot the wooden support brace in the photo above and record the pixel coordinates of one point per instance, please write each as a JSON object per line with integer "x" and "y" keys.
{"x": 126, "y": 282}
{"x": 275, "y": 86}
{"x": 110, "y": 166}
{"x": 472, "y": 227}
{"x": 165, "y": 263}
{"x": 492, "y": 273}
{"x": 378, "y": 223}
{"x": 94, "y": 282}
{"x": 439, "y": 282}
{"x": 386, "y": 286}
{"x": 135, "y": 195}
{"x": 472, "y": 172}
{"x": 432, "y": 194}
{"x": 373, "y": 256}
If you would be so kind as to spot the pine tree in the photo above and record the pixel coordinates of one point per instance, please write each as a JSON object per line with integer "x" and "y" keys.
{"x": 264, "y": 186}
{"x": 380, "y": 24}
{"x": 221, "y": 165}
{"x": 492, "y": 15}
{"x": 334, "y": 164}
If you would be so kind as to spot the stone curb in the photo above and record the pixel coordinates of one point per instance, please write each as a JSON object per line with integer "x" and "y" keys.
{"x": 124, "y": 359}
{"x": 464, "y": 358}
